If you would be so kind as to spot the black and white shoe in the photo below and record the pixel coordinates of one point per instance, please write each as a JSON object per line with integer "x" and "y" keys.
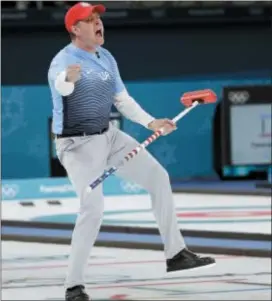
{"x": 76, "y": 293}
{"x": 186, "y": 259}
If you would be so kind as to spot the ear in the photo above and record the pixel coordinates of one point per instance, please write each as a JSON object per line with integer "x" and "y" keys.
{"x": 75, "y": 29}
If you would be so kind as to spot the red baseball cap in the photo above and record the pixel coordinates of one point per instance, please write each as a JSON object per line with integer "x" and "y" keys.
{"x": 81, "y": 11}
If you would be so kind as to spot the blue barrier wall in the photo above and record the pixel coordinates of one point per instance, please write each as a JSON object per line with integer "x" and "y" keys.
{"x": 52, "y": 188}
{"x": 185, "y": 153}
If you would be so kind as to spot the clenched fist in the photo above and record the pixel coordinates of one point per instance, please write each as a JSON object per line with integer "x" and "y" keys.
{"x": 73, "y": 73}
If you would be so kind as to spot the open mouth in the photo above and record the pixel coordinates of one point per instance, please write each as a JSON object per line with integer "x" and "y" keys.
{"x": 98, "y": 33}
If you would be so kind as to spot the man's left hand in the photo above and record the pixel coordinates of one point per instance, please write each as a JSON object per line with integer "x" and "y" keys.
{"x": 167, "y": 125}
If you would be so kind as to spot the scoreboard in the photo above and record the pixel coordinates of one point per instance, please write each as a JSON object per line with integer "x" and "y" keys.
{"x": 246, "y": 125}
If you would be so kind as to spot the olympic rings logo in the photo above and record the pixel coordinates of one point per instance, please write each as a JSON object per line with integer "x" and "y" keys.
{"x": 238, "y": 97}
{"x": 9, "y": 191}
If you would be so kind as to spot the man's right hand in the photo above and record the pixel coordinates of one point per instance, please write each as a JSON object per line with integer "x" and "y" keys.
{"x": 73, "y": 73}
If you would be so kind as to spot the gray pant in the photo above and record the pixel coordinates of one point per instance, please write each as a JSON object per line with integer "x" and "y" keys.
{"x": 86, "y": 158}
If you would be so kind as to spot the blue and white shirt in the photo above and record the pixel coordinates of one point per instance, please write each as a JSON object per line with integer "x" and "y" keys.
{"x": 88, "y": 108}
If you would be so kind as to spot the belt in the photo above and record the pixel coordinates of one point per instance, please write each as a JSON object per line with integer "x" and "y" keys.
{"x": 81, "y": 134}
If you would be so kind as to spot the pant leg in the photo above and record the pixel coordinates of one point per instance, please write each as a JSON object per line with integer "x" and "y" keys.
{"x": 84, "y": 159}
{"x": 145, "y": 170}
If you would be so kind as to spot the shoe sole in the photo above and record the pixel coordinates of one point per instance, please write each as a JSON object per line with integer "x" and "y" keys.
{"x": 184, "y": 271}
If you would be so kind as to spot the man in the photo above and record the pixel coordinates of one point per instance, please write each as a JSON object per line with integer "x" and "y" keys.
{"x": 85, "y": 82}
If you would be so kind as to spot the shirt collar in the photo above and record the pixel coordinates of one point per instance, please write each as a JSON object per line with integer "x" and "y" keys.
{"x": 83, "y": 53}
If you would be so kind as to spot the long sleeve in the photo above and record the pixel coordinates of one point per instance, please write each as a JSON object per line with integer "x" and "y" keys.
{"x": 128, "y": 107}
{"x": 125, "y": 104}
{"x": 62, "y": 86}
{"x": 57, "y": 77}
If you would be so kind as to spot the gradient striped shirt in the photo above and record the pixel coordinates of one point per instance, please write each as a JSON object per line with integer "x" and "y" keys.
{"x": 88, "y": 108}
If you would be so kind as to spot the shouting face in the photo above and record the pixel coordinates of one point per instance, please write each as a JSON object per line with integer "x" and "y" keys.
{"x": 90, "y": 31}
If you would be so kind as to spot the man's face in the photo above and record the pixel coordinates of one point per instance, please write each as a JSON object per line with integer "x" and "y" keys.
{"x": 90, "y": 30}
